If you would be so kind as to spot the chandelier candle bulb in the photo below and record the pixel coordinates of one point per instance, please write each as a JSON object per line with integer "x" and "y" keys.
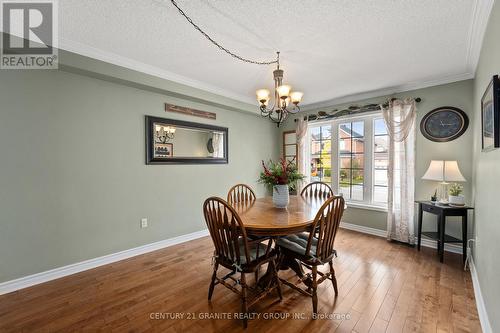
{"x": 296, "y": 97}
{"x": 284, "y": 91}
{"x": 263, "y": 96}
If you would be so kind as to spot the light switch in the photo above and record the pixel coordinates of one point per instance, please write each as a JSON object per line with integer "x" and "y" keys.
{"x": 144, "y": 223}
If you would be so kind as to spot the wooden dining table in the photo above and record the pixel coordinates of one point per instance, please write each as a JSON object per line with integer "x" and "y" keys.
{"x": 261, "y": 218}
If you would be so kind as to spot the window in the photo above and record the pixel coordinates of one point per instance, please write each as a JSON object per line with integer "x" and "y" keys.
{"x": 351, "y": 154}
{"x": 320, "y": 154}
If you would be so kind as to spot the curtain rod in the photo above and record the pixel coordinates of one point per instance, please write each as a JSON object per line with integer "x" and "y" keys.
{"x": 351, "y": 110}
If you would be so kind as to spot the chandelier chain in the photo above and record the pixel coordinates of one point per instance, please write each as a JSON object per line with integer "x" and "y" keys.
{"x": 219, "y": 45}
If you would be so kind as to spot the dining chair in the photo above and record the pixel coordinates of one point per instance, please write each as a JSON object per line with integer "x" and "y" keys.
{"x": 312, "y": 250}
{"x": 317, "y": 190}
{"x": 240, "y": 193}
{"x": 234, "y": 251}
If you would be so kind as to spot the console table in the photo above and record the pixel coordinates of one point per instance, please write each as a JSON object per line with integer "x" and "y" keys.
{"x": 442, "y": 211}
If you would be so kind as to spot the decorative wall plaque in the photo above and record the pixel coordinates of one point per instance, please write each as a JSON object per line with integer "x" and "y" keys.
{"x": 189, "y": 111}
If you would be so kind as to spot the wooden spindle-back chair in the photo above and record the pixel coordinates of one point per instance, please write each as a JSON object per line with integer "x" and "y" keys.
{"x": 315, "y": 249}
{"x": 317, "y": 190}
{"x": 234, "y": 251}
{"x": 240, "y": 193}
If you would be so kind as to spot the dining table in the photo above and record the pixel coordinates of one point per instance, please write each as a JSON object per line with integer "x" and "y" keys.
{"x": 261, "y": 218}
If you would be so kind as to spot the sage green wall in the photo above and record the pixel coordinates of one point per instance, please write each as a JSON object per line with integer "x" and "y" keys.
{"x": 458, "y": 94}
{"x": 73, "y": 180}
{"x": 487, "y": 180}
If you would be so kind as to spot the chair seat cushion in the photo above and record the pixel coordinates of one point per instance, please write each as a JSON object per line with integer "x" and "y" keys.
{"x": 298, "y": 243}
{"x": 253, "y": 250}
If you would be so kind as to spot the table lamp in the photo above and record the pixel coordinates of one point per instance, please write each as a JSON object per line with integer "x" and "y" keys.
{"x": 443, "y": 172}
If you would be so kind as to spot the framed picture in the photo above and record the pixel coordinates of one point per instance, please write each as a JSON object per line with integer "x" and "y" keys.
{"x": 490, "y": 115}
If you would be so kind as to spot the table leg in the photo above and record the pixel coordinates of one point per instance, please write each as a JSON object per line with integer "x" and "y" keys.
{"x": 420, "y": 217}
{"x": 284, "y": 264}
{"x": 442, "y": 222}
{"x": 464, "y": 236}
{"x": 438, "y": 234}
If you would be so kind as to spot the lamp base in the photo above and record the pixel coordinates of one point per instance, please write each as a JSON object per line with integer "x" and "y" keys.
{"x": 442, "y": 193}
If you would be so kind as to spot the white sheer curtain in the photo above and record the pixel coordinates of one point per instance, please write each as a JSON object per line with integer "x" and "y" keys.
{"x": 218, "y": 144}
{"x": 301, "y": 133}
{"x": 399, "y": 117}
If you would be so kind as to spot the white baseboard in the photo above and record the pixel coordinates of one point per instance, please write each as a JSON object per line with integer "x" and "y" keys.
{"x": 364, "y": 230}
{"x": 382, "y": 233}
{"x": 481, "y": 308}
{"x": 56, "y": 273}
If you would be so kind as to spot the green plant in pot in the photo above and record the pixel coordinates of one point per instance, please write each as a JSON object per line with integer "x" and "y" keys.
{"x": 434, "y": 197}
{"x": 278, "y": 176}
{"x": 455, "y": 195}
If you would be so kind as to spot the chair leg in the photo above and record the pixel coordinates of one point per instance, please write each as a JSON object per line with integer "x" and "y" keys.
{"x": 334, "y": 279}
{"x": 212, "y": 284}
{"x": 257, "y": 275}
{"x": 276, "y": 279}
{"x": 314, "y": 288}
{"x": 244, "y": 306}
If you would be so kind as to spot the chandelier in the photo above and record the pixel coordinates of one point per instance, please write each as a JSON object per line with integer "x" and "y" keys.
{"x": 164, "y": 133}
{"x": 283, "y": 97}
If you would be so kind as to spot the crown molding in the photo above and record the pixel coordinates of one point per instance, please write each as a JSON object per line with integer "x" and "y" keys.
{"x": 480, "y": 17}
{"x": 388, "y": 91}
{"x": 115, "y": 59}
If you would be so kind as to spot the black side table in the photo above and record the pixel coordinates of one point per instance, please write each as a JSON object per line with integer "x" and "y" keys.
{"x": 442, "y": 212}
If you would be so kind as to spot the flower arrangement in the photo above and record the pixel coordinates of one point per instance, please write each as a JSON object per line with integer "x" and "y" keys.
{"x": 455, "y": 189}
{"x": 279, "y": 173}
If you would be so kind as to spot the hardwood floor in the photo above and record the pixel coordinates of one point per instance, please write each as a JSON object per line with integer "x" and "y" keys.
{"x": 383, "y": 287}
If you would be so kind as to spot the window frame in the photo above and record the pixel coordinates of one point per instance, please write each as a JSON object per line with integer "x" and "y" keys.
{"x": 369, "y": 157}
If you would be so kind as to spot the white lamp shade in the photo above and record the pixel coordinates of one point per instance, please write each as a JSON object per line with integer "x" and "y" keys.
{"x": 444, "y": 171}
{"x": 296, "y": 96}
{"x": 452, "y": 172}
{"x": 284, "y": 90}
{"x": 262, "y": 95}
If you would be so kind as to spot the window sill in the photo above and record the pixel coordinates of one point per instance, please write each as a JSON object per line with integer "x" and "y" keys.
{"x": 366, "y": 206}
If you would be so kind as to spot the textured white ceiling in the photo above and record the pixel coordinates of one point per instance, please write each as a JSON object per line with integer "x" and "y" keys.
{"x": 329, "y": 49}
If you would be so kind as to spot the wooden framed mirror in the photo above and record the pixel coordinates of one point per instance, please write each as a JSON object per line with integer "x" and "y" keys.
{"x": 170, "y": 141}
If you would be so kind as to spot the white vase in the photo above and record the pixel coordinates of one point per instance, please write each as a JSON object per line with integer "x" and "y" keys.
{"x": 281, "y": 196}
{"x": 458, "y": 200}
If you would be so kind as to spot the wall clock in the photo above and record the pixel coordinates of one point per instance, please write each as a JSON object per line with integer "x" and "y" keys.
{"x": 444, "y": 124}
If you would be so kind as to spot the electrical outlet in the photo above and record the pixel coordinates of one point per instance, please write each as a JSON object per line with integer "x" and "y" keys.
{"x": 144, "y": 222}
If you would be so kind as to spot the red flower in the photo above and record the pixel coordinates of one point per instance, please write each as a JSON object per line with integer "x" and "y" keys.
{"x": 266, "y": 170}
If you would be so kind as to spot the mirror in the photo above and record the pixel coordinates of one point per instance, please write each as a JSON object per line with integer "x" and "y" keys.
{"x": 170, "y": 141}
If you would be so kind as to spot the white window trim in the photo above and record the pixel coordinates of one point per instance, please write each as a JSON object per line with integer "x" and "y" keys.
{"x": 369, "y": 171}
